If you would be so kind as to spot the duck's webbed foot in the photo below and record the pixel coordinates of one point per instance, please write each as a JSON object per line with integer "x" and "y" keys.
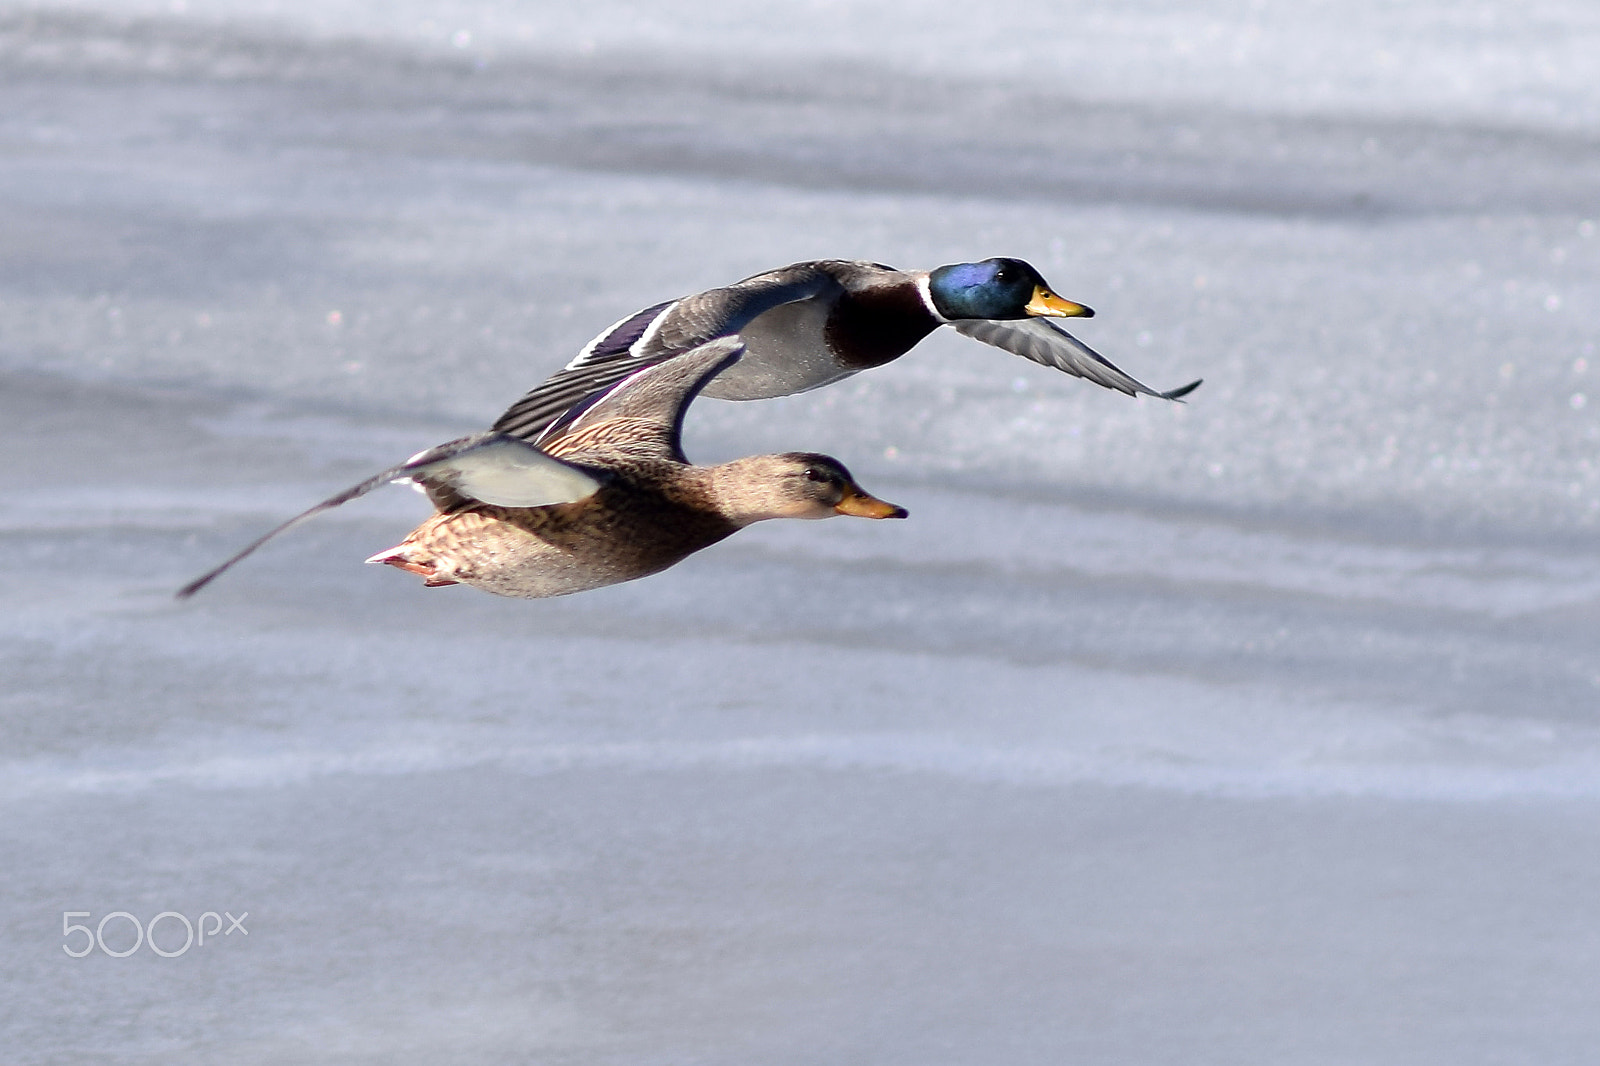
{"x": 425, "y": 569}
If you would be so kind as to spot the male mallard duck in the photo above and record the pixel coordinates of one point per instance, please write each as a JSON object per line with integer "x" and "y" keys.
{"x": 606, "y": 497}
{"x": 810, "y": 324}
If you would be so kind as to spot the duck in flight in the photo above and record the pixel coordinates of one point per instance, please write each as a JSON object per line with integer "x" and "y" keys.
{"x": 607, "y": 495}
{"x": 809, "y": 324}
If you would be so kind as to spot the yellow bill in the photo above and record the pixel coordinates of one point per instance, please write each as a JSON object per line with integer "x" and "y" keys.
{"x": 1046, "y": 304}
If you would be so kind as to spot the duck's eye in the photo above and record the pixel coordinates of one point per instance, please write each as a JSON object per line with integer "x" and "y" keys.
{"x": 813, "y": 474}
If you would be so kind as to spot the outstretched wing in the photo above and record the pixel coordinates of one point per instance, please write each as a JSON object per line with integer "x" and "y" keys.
{"x": 656, "y": 334}
{"x": 1044, "y": 342}
{"x": 491, "y": 468}
{"x": 500, "y": 470}
{"x": 643, "y": 415}
{"x": 604, "y": 361}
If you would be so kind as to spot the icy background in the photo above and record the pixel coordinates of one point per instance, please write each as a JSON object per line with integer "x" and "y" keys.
{"x": 1258, "y": 730}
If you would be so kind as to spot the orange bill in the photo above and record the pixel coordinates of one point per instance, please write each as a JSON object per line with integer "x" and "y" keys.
{"x": 861, "y": 505}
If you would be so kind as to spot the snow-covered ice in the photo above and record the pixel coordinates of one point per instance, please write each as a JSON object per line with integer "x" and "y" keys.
{"x": 1260, "y": 729}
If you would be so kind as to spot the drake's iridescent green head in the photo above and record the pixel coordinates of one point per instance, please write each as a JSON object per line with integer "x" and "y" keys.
{"x": 997, "y": 289}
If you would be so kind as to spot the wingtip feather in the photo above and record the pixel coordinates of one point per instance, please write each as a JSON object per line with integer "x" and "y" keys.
{"x": 194, "y": 586}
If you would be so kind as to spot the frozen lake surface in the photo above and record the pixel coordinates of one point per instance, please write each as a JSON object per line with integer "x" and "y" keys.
{"x": 1261, "y": 729}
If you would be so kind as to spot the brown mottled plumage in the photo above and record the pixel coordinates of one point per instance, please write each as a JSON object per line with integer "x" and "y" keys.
{"x": 607, "y": 496}
{"x": 644, "y": 518}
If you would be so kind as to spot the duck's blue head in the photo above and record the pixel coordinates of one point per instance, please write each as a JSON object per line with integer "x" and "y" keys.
{"x": 997, "y": 289}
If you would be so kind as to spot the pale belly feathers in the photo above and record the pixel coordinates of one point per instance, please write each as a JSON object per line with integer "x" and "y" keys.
{"x": 785, "y": 352}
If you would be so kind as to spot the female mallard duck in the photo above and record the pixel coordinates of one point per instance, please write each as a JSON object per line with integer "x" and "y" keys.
{"x": 606, "y": 497}
{"x": 810, "y": 324}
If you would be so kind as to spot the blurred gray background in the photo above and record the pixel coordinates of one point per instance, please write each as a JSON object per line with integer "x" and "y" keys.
{"x": 1260, "y": 729}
